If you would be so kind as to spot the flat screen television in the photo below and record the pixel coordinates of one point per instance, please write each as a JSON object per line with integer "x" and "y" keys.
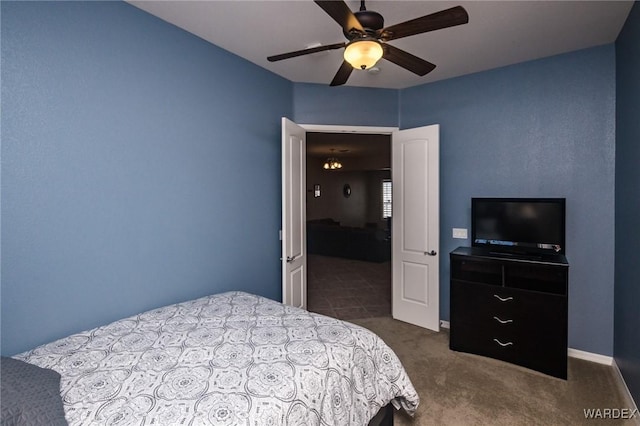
{"x": 528, "y": 226}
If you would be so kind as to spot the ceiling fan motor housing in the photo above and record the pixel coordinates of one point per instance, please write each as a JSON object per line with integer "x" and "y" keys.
{"x": 371, "y": 22}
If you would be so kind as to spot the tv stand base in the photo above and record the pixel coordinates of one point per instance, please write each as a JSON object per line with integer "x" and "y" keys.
{"x": 510, "y": 308}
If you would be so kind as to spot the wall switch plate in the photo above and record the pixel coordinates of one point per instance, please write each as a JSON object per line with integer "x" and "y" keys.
{"x": 460, "y": 233}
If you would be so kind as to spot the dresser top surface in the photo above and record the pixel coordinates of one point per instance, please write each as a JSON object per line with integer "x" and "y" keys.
{"x": 482, "y": 252}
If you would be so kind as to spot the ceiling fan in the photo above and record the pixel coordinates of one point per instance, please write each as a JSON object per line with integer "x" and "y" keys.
{"x": 367, "y": 38}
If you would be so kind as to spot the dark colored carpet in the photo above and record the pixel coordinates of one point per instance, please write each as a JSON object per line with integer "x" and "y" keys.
{"x": 348, "y": 289}
{"x": 463, "y": 389}
{"x": 457, "y": 388}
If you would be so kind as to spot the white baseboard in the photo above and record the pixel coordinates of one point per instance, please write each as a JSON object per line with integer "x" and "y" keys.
{"x": 445, "y": 324}
{"x": 590, "y": 356}
{"x": 626, "y": 391}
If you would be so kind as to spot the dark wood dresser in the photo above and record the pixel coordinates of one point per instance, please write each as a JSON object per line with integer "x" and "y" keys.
{"x": 509, "y": 307}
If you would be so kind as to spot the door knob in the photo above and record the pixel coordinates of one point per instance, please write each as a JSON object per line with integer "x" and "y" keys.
{"x": 431, "y": 253}
{"x": 290, "y": 259}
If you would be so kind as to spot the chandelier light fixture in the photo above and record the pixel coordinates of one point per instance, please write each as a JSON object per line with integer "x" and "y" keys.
{"x": 332, "y": 163}
{"x": 363, "y": 53}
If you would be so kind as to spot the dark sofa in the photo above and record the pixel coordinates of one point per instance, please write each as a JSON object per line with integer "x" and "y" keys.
{"x": 326, "y": 237}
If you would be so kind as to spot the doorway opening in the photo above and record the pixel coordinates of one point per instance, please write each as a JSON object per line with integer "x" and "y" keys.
{"x": 416, "y": 229}
{"x": 348, "y": 209}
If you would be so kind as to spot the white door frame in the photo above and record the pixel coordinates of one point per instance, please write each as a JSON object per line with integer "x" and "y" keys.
{"x": 323, "y": 128}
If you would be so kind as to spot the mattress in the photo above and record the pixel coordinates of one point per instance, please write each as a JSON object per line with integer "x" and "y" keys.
{"x": 227, "y": 359}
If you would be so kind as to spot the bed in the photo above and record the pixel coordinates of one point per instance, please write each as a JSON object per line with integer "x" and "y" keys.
{"x": 227, "y": 359}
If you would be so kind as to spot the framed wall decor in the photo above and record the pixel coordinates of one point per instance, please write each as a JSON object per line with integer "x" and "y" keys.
{"x": 346, "y": 190}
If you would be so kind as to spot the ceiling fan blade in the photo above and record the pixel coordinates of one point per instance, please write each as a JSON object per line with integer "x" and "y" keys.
{"x": 275, "y": 58}
{"x": 341, "y": 13}
{"x": 342, "y": 75}
{"x": 435, "y": 21}
{"x": 407, "y": 60}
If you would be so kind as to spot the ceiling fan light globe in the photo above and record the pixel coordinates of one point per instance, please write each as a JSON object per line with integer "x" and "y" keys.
{"x": 363, "y": 54}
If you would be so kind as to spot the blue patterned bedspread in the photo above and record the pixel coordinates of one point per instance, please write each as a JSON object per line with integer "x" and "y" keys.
{"x": 227, "y": 359}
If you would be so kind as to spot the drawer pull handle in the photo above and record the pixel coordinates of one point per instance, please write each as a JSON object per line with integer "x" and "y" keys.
{"x": 503, "y": 299}
{"x": 502, "y": 344}
{"x": 502, "y": 321}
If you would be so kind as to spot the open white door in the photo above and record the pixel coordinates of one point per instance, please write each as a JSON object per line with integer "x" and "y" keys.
{"x": 415, "y": 225}
{"x": 294, "y": 241}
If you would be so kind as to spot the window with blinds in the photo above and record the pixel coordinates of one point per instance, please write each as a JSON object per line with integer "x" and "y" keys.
{"x": 386, "y": 198}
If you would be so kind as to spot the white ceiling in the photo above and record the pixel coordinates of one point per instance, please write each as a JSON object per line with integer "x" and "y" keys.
{"x": 499, "y": 33}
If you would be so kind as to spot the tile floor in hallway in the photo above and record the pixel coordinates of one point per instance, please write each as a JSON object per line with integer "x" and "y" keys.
{"x": 348, "y": 289}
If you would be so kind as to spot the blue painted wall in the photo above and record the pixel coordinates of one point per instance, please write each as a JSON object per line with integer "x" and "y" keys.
{"x": 627, "y": 267}
{"x": 349, "y": 106}
{"x": 544, "y": 128}
{"x": 121, "y": 135}
{"x": 134, "y": 156}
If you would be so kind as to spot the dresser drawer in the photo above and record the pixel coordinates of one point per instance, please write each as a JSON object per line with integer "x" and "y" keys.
{"x": 478, "y": 302}
{"x": 491, "y": 340}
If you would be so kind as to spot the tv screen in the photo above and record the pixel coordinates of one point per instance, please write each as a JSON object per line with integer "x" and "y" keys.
{"x": 519, "y": 225}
